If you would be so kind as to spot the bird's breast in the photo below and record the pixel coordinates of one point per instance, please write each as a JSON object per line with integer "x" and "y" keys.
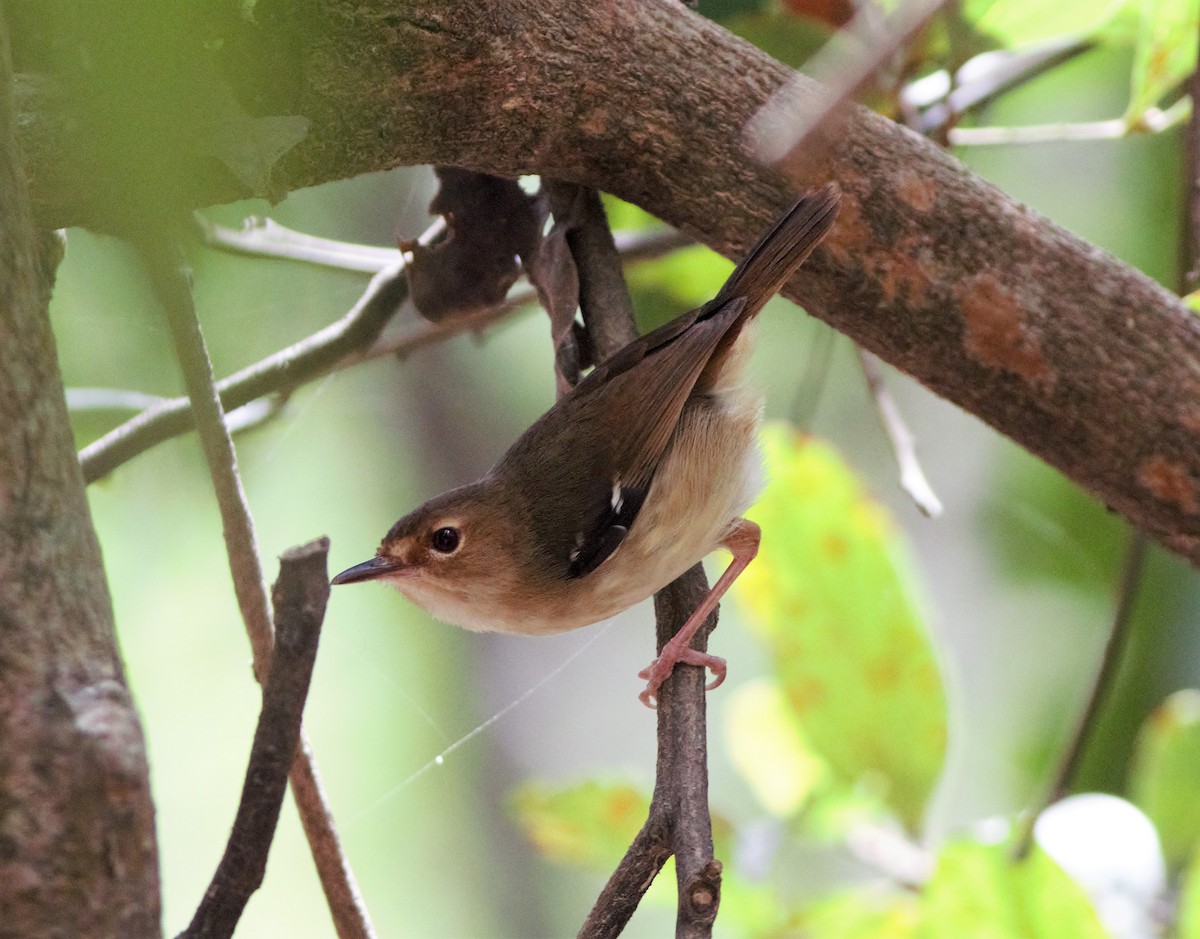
{"x": 710, "y": 476}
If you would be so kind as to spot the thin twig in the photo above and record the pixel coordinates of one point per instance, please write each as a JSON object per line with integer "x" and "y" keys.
{"x": 300, "y": 595}
{"x": 1110, "y": 661}
{"x": 683, "y": 762}
{"x": 643, "y": 860}
{"x": 1151, "y": 121}
{"x": 284, "y": 371}
{"x": 986, "y": 77}
{"x": 172, "y": 285}
{"x": 912, "y": 476}
{"x": 266, "y": 238}
{"x": 352, "y": 340}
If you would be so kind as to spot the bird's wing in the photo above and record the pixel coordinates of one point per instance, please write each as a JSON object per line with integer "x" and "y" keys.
{"x": 588, "y": 463}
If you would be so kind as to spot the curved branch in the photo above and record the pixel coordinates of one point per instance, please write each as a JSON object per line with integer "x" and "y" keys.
{"x": 1078, "y": 357}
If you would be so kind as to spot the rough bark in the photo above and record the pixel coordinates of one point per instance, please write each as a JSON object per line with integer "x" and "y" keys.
{"x": 1078, "y": 357}
{"x": 77, "y": 851}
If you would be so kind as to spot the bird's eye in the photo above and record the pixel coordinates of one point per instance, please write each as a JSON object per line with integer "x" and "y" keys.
{"x": 445, "y": 540}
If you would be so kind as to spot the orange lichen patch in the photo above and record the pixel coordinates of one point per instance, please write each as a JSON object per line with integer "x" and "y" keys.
{"x": 1169, "y": 481}
{"x": 1189, "y": 418}
{"x": 850, "y": 234}
{"x": 996, "y": 333}
{"x": 916, "y": 190}
{"x": 903, "y": 275}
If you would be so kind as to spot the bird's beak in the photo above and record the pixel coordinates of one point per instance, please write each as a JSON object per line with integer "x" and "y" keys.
{"x": 368, "y": 570}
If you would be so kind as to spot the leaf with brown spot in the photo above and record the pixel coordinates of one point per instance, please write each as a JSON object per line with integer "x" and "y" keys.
{"x": 832, "y": 597}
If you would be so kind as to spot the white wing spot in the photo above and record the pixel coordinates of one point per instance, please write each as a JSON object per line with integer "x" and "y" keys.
{"x": 618, "y": 498}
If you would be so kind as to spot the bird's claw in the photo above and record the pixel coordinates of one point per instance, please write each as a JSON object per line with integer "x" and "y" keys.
{"x": 661, "y": 668}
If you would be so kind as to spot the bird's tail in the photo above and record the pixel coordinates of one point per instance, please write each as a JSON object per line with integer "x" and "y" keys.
{"x": 768, "y": 265}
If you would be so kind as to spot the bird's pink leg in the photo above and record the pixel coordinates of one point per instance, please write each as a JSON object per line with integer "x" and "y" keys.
{"x": 742, "y": 541}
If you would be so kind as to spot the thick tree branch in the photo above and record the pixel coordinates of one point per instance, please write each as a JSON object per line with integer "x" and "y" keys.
{"x": 1080, "y": 358}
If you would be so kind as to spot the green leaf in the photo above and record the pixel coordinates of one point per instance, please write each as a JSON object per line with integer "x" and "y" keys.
{"x": 1166, "y": 767}
{"x": 1189, "y": 903}
{"x": 977, "y": 891}
{"x": 831, "y": 595}
{"x": 589, "y": 824}
{"x": 1165, "y": 54}
{"x": 1018, "y": 22}
{"x": 683, "y": 279}
{"x": 790, "y": 39}
{"x": 769, "y": 748}
{"x": 861, "y": 914}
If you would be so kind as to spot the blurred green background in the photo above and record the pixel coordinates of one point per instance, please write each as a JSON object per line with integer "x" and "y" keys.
{"x": 1016, "y": 580}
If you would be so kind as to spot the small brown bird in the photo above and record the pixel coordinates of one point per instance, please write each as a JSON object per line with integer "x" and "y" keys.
{"x": 627, "y": 481}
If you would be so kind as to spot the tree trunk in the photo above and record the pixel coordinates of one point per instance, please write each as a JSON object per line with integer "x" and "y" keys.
{"x": 77, "y": 850}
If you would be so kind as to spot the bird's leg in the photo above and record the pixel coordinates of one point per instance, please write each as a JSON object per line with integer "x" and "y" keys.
{"x": 741, "y": 540}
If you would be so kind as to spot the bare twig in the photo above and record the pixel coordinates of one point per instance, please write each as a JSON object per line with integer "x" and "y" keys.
{"x": 683, "y": 762}
{"x": 986, "y": 77}
{"x": 266, "y": 238}
{"x": 350, "y": 341}
{"x": 1151, "y": 121}
{"x": 1110, "y": 661}
{"x": 283, "y": 371}
{"x": 300, "y": 595}
{"x": 623, "y": 892}
{"x": 912, "y": 477}
{"x": 172, "y": 285}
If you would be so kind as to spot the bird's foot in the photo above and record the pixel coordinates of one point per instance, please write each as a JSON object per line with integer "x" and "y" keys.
{"x": 660, "y": 670}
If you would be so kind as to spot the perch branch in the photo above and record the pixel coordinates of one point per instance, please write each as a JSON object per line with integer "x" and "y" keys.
{"x": 300, "y": 595}
{"x": 678, "y": 821}
{"x": 172, "y": 285}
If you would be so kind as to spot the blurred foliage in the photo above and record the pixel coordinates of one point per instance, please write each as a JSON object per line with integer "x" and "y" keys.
{"x": 832, "y": 597}
{"x": 1165, "y": 774}
{"x": 978, "y": 890}
{"x": 1166, "y": 51}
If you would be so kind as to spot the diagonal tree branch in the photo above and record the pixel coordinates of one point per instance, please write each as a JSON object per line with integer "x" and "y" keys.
{"x": 1079, "y": 358}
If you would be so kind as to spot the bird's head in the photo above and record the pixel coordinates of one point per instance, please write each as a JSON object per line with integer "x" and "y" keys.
{"x": 449, "y": 556}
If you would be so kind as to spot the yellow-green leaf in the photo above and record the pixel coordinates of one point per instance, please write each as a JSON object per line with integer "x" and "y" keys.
{"x": 769, "y": 749}
{"x": 831, "y": 595}
{"x": 1189, "y": 903}
{"x": 1017, "y": 22}
{"x": 590, "y": 824}
{"x": 1166, "y": 775}
{"x": 861, "y": 914}
{"x": 1166, "y": 51}
{"x": 978, "y": 891}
